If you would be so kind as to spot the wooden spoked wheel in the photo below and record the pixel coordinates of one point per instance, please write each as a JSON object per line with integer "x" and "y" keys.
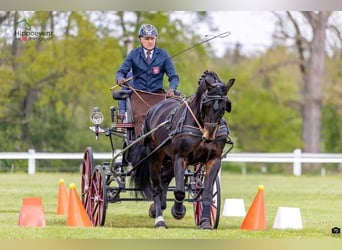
{"x": 98, "y": 197}
{"x": 215, "y": 206}
{"x": 87, "y": 169}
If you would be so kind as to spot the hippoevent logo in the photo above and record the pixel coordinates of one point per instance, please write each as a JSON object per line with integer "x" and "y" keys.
{"x": 24, "y": 32}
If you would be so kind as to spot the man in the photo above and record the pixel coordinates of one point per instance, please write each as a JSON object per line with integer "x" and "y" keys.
{"x": 147, "y": 64}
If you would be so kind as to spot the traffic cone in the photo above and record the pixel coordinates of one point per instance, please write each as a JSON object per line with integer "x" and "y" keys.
{"x": 32, "y": 213}
{"x": 77, "y": 215}
{"x": 62, "y": 199}
{"x": 256, "y": 216}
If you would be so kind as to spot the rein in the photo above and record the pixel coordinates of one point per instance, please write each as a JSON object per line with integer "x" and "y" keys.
{"x": 150, "y": 153}
{"x": 147, "y": 92}
{"x": 193, "y": 116}
{"x": 136, "y": 92}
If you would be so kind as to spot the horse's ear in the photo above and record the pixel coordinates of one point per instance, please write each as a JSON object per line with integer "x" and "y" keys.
{"x": 227, "y": 87}
{"x": 202, "y": 86}
{"x": 229, "y": 84}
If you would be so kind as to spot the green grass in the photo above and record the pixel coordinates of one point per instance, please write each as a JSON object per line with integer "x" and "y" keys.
{"x": 319, "y": 199}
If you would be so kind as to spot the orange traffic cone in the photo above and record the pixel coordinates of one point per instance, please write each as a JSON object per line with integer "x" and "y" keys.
{"x": 77, "y": 216}
{"x": 62, "y": 199}
{"x": 32, "y": 213}
{"x": 256, "y": 216}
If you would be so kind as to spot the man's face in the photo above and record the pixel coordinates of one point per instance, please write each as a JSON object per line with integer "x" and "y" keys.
{"x": 148, "y": 42}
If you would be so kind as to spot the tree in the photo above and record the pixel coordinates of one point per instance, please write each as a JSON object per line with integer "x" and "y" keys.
{"x": 311, "y": 59}
{"x": 263, "y": 118}
{"x": 49, "y": 83}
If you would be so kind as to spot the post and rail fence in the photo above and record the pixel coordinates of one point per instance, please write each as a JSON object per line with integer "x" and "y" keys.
{"x": 297, "y": 158}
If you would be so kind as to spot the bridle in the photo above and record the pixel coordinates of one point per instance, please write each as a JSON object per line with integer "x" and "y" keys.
{"x": 205, "y": 98}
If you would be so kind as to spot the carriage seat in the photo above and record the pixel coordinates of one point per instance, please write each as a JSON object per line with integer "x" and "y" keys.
{"x": 122, "y": 94}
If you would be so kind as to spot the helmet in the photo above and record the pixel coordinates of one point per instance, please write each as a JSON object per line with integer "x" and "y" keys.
{"x": 148, "y": 30}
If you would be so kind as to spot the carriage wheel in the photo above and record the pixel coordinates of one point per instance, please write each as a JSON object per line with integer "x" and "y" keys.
{"x": 87, "y": 169}
{"x": 215, "y": 206}
{"x": 98, "y": 197}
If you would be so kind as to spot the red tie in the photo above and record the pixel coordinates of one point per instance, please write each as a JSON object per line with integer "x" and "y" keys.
{"x": 148, "y": 57}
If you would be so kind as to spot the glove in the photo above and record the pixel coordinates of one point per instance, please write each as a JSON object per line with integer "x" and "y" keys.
{"x": 122, "y": 81}
{"x": 170, "y": 92}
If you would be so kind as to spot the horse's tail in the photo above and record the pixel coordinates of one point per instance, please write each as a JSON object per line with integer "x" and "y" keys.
{"x": 140, "y": 176}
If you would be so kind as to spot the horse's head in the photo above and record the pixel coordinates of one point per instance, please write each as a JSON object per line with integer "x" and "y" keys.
{"x": 212, "y": 102}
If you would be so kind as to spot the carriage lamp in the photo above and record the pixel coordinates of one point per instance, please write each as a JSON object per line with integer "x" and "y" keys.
{"x": 96, "y": 116}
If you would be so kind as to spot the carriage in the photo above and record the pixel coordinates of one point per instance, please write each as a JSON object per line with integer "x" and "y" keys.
{"x": 110, "y": 181}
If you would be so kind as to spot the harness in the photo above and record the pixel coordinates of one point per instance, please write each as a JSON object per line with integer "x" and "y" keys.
{"x": 183, "y": 129}
{"x": 180, "y": 123}
{"x": 180, "y": 128}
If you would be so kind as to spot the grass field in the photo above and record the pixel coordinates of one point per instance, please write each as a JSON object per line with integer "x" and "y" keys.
{"x": 319, "y": 198}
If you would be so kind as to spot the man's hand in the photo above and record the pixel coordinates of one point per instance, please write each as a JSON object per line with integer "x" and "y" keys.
{"x": 170, "y": 92}
{"x": 122, "y": 81}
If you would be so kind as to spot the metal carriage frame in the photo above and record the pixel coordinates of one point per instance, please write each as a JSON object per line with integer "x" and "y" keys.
{"x": 106, "y": 183}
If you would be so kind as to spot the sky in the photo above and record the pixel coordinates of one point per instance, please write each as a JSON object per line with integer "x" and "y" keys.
{"x": 252, "y": 29}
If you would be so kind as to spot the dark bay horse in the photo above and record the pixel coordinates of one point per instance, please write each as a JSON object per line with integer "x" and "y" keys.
{"x": 195, "y": 132}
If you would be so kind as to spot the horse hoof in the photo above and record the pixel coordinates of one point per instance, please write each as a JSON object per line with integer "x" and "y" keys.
{"x": 152, "y": 211}
{"x": 178, "y": 214}
{"x": 205, "y": 224}
{"x": 160, "y": 225}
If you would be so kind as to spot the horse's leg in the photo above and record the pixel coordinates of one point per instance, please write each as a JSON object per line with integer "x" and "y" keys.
{"x": 178, "y": 209}
{"x": 166, "y": 177}
{"x": 212, "y": 169}
{"x": 155, "y": 170}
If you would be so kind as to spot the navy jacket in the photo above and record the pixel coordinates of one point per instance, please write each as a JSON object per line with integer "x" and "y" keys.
{"x": 149, "y": 77}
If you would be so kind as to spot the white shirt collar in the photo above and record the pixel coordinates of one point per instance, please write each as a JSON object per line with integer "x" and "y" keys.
{"x": 145, "y": 52}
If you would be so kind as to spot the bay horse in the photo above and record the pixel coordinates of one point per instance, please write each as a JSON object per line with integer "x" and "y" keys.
{"x": 195, "y": 132}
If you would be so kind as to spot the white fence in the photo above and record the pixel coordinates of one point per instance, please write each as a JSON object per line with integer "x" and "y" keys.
{"x": 296, "y": 158}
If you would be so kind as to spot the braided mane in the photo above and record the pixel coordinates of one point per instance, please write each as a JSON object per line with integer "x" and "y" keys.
{"x": 210, "y": 77}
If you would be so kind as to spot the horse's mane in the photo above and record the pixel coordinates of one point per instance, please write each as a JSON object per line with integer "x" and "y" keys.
{"x": 211, "y": 79}
{"x": 205, "y": 77}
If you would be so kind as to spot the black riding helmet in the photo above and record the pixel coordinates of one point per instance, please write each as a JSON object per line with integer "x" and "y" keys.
{"x": 148, "y": 30}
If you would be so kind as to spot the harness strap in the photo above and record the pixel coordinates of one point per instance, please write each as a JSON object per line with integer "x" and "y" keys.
{"x": 193, "y": 115}
{"x": 223, "y": 131}
{"x": 170, "y": 116}
{"x": 149, "y": 154}
{"x": 180, "y": 123}
{"x": 189, "y": 130}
